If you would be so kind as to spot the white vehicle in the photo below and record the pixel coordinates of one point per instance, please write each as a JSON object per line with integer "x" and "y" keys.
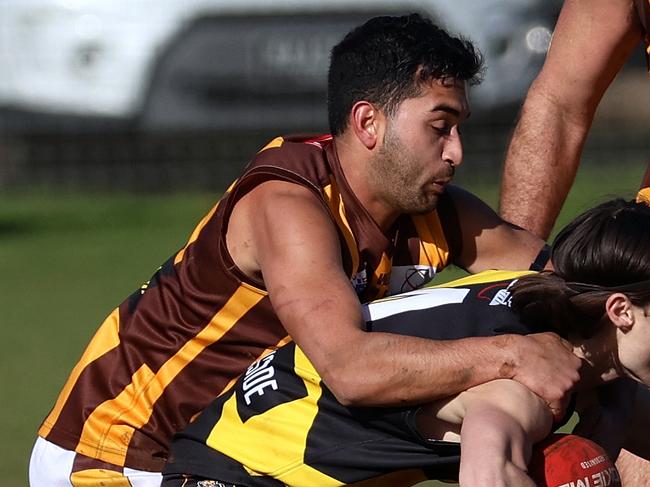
{"x": 238, "y": 64}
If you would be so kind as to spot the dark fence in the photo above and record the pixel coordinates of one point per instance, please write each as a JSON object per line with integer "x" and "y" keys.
{"x": 55, "y": 156}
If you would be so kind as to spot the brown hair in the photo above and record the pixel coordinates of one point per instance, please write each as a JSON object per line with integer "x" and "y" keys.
{"x": 603, "y": 251}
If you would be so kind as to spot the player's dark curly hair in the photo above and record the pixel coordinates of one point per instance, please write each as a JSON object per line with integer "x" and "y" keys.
{"x": 385, "y": 61}
{"x": 603, "y": 251}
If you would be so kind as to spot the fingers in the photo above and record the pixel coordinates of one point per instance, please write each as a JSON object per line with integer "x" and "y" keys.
{"x": 548, "y": 367}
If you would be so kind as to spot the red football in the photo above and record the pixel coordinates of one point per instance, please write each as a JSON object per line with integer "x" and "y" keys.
{"x": 571, "y": 461}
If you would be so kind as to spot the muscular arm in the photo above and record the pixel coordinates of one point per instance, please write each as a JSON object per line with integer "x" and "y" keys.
{"x": 592, "y": 40}
{"x": 501, "y": 420}
{"x": 489, "y": 242}
{"x": 299, "y": 257}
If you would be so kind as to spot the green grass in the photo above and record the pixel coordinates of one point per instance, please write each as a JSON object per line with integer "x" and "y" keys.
{"x": 67, "y": 260}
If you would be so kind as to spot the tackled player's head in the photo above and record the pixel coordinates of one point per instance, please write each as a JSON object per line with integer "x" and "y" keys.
{"x": 604, "y": 250}
{"x": 601, "y": 278}
{"x": 387, "y": 59}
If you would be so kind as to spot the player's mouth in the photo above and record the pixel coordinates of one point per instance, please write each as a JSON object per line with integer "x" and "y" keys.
{"x": 439, "y": 185}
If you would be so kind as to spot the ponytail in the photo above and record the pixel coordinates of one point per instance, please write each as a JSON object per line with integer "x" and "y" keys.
{"x": 546, "y": 300}
{"x": 603, "y": 251}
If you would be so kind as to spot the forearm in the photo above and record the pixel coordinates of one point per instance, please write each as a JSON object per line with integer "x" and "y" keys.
{"x": 489, "y": 429}
{"x": 591, "y": 42}
{"x": 541, "y": 163}
{"x": 383, "y": 369}
{"x": 500, "y": 417}
{"x": 505, "y": 419}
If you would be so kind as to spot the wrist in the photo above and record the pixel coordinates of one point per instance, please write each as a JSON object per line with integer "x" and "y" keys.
{"x": 506, "y": 358}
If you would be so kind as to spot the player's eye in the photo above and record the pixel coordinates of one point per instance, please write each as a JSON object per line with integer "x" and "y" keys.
{"x": 442, "y": 127}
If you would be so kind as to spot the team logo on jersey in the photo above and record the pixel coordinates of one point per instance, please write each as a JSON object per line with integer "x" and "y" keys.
{"x": 360, "y": 281}
{"x": 410, "y": 277}
{"x": 502, "y": 297}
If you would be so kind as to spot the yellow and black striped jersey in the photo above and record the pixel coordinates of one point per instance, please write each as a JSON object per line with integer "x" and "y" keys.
{"x": 179, "y": 340}
{"x": 280, "y": 424}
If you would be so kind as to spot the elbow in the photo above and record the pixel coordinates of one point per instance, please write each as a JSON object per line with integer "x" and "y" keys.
{"x": 515, "y": 401}
{"x": 347, "y": 387}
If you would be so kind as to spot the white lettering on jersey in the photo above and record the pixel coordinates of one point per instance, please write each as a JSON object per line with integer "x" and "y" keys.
{"x": 258, "y": 377}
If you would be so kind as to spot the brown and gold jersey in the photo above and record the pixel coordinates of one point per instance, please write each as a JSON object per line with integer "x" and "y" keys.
{"x": 180, "y": 340}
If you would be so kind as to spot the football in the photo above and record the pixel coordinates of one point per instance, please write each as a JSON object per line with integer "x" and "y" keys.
{"x": 563, "y": 460}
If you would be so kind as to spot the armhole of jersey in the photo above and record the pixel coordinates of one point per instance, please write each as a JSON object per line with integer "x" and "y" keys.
{"x": 243, "y": 186}
{"x": 410, "y": 421}
{"x": 543, "y": 256}
{"x": 450, "y": 225}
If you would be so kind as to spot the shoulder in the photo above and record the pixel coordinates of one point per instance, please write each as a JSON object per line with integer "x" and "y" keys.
{"x": 302, "y": 156}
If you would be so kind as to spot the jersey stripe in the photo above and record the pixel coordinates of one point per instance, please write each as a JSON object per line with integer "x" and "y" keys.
{"x": 136, "y": 402}
{"x": 277, "y": 142}
{"x": 337, "y": 209}
{"x": 434, "y": 251}
{"x": 195, "y": 234}
{"x": 284, "y": 457}
{"x": 484, "y": 278}
{"x": 89, "y": 478}
{"x": 106, "y": 339}
{"x": 421, "y": 299}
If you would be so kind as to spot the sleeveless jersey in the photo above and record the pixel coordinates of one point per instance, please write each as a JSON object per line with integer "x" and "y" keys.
{"x": 184, "y": 336}
{"x": 280, "y": 425}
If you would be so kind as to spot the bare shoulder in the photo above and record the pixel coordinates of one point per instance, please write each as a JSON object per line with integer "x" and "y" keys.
{"x": 469, "y": 205}
{"x": 488, "y": 241}
{"x": 274, "y": 219}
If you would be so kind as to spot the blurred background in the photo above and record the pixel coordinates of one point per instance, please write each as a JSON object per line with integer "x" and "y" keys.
{"x": 122, "y": 122}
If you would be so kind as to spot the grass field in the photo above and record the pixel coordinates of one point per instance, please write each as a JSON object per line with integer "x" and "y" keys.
{"x": 67, "y": 260}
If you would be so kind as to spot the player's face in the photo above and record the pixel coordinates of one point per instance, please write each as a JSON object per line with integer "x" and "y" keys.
{"x": 421, "y": 147}
{"x": 634, "y": 345}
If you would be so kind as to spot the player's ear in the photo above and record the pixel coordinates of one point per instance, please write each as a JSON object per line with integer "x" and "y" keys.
{"x": 619, "y": 310}
{"x": 367, "y": 123}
